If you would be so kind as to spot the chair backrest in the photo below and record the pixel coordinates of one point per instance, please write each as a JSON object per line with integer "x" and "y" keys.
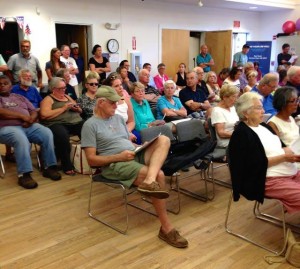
{"x": 148, "y": 133}
{"x": 154, "y": 112}
{"x": 212, "y": 130}
{"x": 190, "y": 130}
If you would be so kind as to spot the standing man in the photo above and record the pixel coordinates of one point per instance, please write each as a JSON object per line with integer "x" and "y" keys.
{"x": 285, "y": 58}
{"x": 80, "y": 64}
{"x": 204, "y": 59}
{"x": 25, "y": 60}
{"x": 18, "y": 128}
{"x": 26, "y": 89}
{"x": 241, "y": 58}
{"x": 71, "y": 65}
{"x": 106, "y": 143}
{"x": 266, "y": 87}
{"x": 192, "y": 96}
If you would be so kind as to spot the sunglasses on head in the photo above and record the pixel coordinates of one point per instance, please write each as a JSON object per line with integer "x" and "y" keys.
{"x": 93, "y": 84}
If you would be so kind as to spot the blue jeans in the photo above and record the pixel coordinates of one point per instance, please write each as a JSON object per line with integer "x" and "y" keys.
{"x": 21, "y": 138}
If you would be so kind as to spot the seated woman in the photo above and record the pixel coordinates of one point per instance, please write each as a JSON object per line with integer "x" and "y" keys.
{"x": 259, "y": 165}
{"x": 143, "y": 115}
{"x": 224, "y": 73}
{"x": 257, "y": 69}
{"x": 234, "y": 77}
{"x": 87, "y": 100}
{"x": 65, "y": 74}
{"x": 212, "y": 85}
{"x": 286, "y": 102}
{"x": 252, "y": 80}
{"x": 224, "y": 116}
{"x": 180, "y": 76}
{"x": 124, "y": 106}
{"x": 126, "y": 83}
{"x": 60, "y": 113}
{"x": 169, "y": 107}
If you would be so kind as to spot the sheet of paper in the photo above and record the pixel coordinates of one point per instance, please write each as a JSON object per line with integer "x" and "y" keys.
{"x": 293, "y": 58}
{"x": 147, "y": 144}
{"x": 295, "y": 146}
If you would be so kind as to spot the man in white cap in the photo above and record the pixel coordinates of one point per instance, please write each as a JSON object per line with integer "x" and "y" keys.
{"x": 105, "y": 140}
{"x": 80, "y": 64}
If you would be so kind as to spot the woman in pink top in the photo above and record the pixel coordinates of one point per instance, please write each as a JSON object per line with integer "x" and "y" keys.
{"x": 161, "y": 77}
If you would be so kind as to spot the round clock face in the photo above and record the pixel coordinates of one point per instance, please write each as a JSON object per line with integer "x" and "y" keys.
{"x": 113, "y": 45}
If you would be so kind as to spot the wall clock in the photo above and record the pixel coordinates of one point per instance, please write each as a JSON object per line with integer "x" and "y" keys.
{"x": 113, "y": 45}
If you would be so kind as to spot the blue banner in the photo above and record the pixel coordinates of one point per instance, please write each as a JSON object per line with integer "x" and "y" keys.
{"x": 260, "y": 51}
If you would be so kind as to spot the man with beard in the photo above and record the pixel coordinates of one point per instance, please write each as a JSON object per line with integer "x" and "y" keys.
{"x": 22, "y": 60}
{"x": 26, "y": 89}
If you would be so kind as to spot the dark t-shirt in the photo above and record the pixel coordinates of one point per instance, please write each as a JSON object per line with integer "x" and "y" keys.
{"x": 97, "y": 65}
{"x": 282, "y": 56}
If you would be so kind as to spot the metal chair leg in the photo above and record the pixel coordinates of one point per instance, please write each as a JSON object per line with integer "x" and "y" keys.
{"x": 2, "y": 167}
{"x": 124, "y": 197}
{"x": 228, "y": 230}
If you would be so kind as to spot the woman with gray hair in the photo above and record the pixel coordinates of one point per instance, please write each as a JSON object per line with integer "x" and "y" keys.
{"x": 285, "y": 102}
{"x": 259, "y": 164}
{"x": 224, "y": 116}
{"x": 169, "y": 106}
{"x": 61, "y": 114}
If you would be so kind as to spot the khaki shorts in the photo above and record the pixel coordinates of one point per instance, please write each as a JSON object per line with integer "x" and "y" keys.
{"x": 125, "y": 172}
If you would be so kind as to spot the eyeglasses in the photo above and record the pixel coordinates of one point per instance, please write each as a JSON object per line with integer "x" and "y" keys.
{"x": 61, "y": 88}
{"x": 93, "y": 84}
{"x": 258, "y": 107}
{"x": 293, "y": 101}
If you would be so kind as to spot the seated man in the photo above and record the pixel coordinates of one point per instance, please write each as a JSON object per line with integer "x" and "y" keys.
{"x": 26, "y": 89}
{"x": 266, "y": 87}
{"x": 105, "y": 140}
{"x": 18, "y": 128}
{"x": 192, "y": 96}
{"x": 151, "y": 94}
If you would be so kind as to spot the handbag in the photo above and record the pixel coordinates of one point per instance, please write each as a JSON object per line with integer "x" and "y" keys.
{"x": 291, "y": 252}
{"x": 79, "y": 160}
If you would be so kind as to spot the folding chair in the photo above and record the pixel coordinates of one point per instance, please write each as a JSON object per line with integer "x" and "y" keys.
{"x": 191, "y": 148}
{"x": 217, "y": 155}
{"x": 2, "y": 167}
{"x": 124, "y": 192}
{"x": 250, "y": 240}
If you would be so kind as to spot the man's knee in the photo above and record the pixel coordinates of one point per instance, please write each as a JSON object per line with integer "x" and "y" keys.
{"x": 164, "y": 140}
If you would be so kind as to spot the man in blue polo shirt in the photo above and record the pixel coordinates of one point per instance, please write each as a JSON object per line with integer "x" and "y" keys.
{"x": 26, "y": 89}
{"x": 266, "y": 87}
{"x": 204, "y": 59}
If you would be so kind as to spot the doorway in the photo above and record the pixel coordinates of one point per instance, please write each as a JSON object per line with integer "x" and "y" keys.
{"x": 72, "y": 33}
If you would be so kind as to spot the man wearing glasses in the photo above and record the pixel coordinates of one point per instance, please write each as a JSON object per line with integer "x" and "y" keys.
{"x": 266, "y": 87}
{"x": 105, "y": 140}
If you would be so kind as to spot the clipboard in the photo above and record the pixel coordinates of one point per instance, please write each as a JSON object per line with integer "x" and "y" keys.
{"x": 146, "y": 144}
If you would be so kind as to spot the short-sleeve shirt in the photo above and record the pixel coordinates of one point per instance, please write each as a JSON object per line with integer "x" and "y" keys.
{"x": 204, "y": 59}
{"x": 31, "y": 94}
{"x": 101, "y": 65}
{"x": 109, "y": 136}
{"x": 17, "y": 62}
{"x": 70, "y": 62}
{"x": 2, "y": 62}
{"x": 16, "y": 103}
{"x": 87, "y": 105}
{"x": 187, "y": 94}
{"x": 229, "y": 118}
{"x": 267, "y": 102}
{"x": 163, "y": 103}
{"x": 240, "y": 58}
{"x": 142, "y": 114}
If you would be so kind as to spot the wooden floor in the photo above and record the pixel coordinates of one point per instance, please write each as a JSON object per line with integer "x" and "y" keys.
{"x": 49, "y": 228}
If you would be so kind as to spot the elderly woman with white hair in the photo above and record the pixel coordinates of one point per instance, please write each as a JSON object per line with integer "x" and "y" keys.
{"x": 169, "y": 106}
{"x": 260, "y": 165}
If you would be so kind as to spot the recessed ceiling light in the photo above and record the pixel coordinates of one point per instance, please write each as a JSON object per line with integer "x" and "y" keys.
{"x": 252, "y": 7}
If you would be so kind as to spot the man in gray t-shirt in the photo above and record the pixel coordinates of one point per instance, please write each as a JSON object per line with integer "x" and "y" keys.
{"x": 105, "y": 140}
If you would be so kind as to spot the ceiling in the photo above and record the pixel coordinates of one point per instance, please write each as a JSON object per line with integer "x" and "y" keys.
{"x": 252, "y": 5}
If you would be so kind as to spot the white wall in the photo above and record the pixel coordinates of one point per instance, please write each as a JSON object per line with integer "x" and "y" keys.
{"x": 142, "y": 19}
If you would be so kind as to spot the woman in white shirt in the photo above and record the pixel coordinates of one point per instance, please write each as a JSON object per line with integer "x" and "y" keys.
{"x": 224, "y": 116}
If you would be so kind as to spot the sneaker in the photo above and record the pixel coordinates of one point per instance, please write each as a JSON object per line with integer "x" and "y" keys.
{"x": 51, "y": 173}
{"x": 173, "y": 238}
{"x": 153, "y": 189}
{"x": 27, "y": 182}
